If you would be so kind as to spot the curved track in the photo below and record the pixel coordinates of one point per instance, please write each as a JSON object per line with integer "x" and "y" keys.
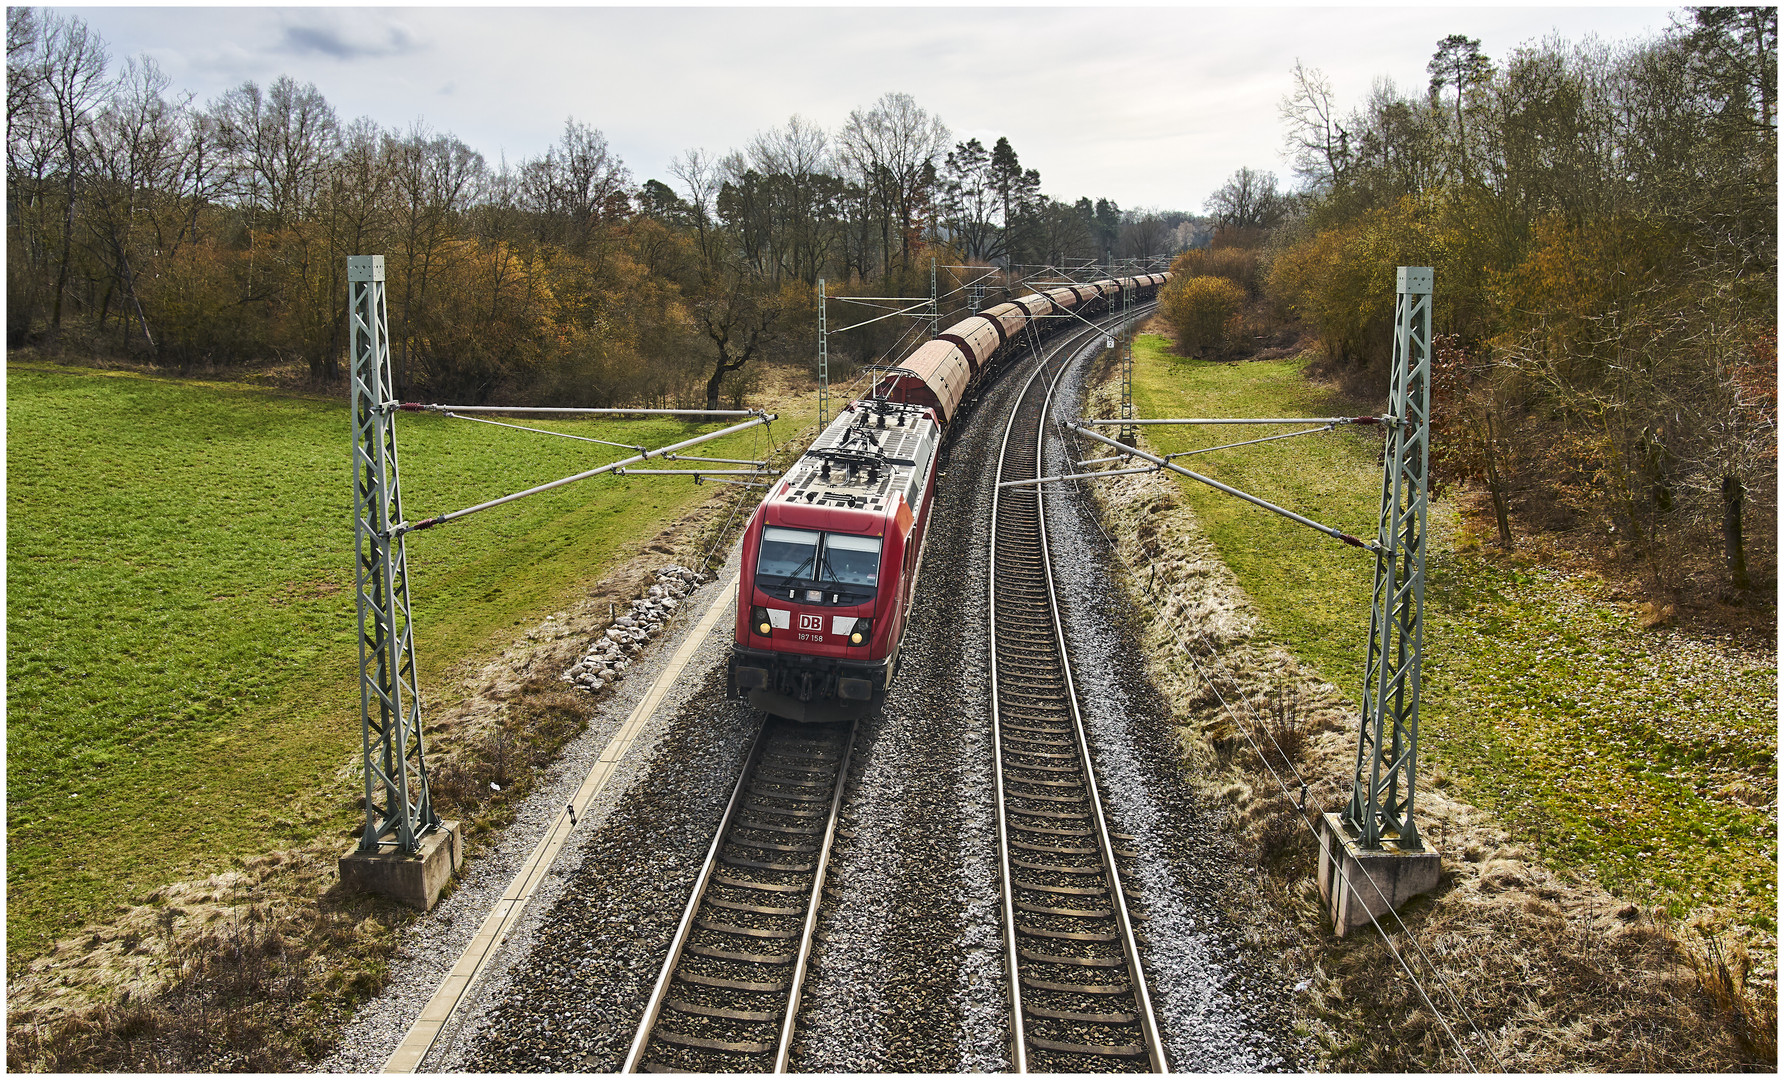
{"x": 729, "y": 991}
{"x": 1079, "y": 1001}
{"x": 730, "y": 987}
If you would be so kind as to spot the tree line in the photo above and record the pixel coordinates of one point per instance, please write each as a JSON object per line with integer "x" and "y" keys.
{"x": 1602, "y": 219}
{"x": 143, "y": 223}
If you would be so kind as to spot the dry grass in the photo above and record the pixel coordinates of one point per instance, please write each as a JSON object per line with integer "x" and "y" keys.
{"x": 249, "y": 970}
{"x": 258, "y": 968}
{"x": 1556, "y": 973}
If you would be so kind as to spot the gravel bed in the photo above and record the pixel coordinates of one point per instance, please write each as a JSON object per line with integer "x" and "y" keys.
{"x": 656, "y": 815}
{"x": 1221, "y": 1006}
{"x": 907, "y": 972}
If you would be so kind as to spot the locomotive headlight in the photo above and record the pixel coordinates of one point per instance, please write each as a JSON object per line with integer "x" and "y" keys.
{"x": 863, "y": 629}
{"x": 759, "y": 620}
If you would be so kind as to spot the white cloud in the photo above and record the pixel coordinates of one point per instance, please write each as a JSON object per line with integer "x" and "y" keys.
{"x": 1149, "y": 106}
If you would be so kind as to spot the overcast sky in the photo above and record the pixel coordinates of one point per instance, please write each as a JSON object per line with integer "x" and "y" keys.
{"x": 1150, "y": 106}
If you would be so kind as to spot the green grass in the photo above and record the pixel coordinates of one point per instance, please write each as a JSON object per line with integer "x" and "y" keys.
{"x": 1629, "y": 755}
{"x": 181, "y": 626}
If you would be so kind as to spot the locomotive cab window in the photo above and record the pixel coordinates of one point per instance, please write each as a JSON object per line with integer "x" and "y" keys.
{"x": 852, "y": 560}
{"x": 788, "y": 554}
{"x": 817, "y": 567}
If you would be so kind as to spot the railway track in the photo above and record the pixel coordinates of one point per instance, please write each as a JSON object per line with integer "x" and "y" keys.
{"x": 729, "y": 990}
{"x": 1078, "y": 995}
{"x": 727, "y": 995}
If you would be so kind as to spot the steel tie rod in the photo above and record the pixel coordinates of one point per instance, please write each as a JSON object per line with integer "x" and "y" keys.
{"x": 1253, "y": 442}
{"x": 545, "y": 431}
{"x": 1080, "y": 429}
{"x": 720, "y": 460}
{"x": 415, "y": 406}
{"x": 688, "y": 472}
{"x": 428, "y": 523}
{"x": 1364, "y": 420}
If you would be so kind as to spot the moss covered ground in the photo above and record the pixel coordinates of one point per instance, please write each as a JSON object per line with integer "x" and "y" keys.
{"x": 181, "y": 686}
{"x": 1644, "y": 758}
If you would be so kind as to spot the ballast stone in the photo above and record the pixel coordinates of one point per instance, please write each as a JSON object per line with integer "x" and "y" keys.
{"x": 606, "y": 658}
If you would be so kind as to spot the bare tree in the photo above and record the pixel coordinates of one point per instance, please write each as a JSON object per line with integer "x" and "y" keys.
{"x": 1248, "y": 200}
{"x": 577, "y": 186}
{"x": 135, "y": 154}
{"x": 434, "y": 176}
{"x": 892, "y": 148}
{"x": 281, "y": 139}
{"x": 1143, "y": 234}
{"x": 24, "y": 70}
{"x": 1318, "y": 145}
{"x": 795, "y": 161}
{"x": 700, "y": 177}
{"x": 73, "y": 63}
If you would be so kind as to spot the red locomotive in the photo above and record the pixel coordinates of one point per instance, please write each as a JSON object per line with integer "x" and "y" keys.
{"x": 831, "y": 557}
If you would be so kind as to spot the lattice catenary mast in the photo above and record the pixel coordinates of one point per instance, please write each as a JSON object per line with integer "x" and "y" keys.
{"x": 1381, "y": 801}
{"x": 397, "y": 807}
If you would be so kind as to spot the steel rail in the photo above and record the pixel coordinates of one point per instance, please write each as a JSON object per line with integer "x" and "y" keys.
{"x": 762, "y": 753}
{"x": 655, "y": 1005}
{"x": 811, "y": 912}
{"x": 1019, "y": 1040}
{"x": 1148, "y": 1023}
{"x": 1143, "y": 1015}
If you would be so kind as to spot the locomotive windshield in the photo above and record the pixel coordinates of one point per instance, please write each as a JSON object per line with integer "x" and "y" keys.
{"x": 790, "y": 554}
{"x": 798, "y": 558}
{"x": 852, "y": 560}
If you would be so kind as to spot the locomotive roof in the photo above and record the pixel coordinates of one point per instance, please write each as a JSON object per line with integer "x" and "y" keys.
{"x": 870, "y": 465}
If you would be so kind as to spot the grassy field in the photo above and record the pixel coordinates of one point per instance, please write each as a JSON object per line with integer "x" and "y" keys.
{"x": 1645, "y": 758}
{"x": 181, "y": 684}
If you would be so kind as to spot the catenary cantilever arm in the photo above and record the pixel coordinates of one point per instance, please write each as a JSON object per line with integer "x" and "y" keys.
{"x": 1080, "y": 429}
{"x": 442, "y": 519}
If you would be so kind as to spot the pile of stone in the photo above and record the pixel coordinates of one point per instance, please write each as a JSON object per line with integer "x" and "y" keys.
{"x": 612, "y": 652}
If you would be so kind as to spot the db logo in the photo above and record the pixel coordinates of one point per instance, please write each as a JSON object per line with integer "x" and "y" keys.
{"x": 810, "y": 622}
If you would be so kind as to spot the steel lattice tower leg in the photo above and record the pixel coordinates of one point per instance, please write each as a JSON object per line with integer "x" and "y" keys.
{"x": 397, "y": 807}
{"x": 935, "y": 311}
{"x": 1129, "y": 432}
{"x": 823, "y": 358}
{"x": 1381, "y": 801}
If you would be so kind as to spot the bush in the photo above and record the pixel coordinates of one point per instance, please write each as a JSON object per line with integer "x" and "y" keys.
{"x": 1201, "y": 312}
{"x": 1237, "y": 265}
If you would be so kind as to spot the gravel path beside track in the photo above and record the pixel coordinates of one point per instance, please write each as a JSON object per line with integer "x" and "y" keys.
{"x": 653, "y": 821}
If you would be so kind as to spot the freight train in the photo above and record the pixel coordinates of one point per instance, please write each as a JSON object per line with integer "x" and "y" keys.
{"x": 831, "y": 556}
